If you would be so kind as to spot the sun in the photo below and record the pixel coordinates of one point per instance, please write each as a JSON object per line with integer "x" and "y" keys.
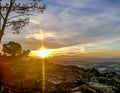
{"x": 43, "y": 52}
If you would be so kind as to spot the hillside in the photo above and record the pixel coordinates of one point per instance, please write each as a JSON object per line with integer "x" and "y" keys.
{"x": 24, "y": 75}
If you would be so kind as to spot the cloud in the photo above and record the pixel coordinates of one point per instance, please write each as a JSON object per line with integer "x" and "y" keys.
{"x": 40, "y": 35}
{"x": 68, "y": 23}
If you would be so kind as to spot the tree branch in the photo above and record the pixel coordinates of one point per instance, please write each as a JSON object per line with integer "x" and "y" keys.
{"x": 16, "y": 10}
{"x": 12, "y": 1}
{"x": 8, "y": 24}
{"x": 2, "y": 15}
{"x": 6, "y": 17}
{"x": 14, "y": 17}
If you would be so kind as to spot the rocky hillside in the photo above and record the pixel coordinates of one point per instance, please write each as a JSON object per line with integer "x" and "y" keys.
{"x": 26, "y": 77}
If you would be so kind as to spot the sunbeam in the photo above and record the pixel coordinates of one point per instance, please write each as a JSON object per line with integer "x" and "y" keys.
{"x": 43, "y": 65}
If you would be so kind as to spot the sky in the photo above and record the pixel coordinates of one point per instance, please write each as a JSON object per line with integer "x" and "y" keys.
{"x": 74, "y": 27}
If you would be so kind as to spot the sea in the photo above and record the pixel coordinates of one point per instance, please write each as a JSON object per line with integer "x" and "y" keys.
{"x": 101, "y": 64}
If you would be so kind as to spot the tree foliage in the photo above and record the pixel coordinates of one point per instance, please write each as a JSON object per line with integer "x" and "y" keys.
{"x": 12, "y": 48}
{"x": 26, "y": 52}
{"x": 15, "y": 13}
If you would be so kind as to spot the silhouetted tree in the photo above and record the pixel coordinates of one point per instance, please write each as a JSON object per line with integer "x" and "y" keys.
{"x": 26, "y": 52}
{"x": 12, "y": 48}
{"x": 16, "y": 13}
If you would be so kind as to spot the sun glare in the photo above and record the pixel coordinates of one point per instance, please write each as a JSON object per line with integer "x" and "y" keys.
{"x": 42, "y": 52}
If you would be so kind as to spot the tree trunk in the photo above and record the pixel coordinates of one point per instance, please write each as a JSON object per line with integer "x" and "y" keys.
{"x": 1, "y": 35}
{"x": 2, "y": 29}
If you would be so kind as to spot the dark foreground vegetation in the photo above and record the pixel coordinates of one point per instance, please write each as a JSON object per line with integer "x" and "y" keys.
{"x": 22, "y": 74}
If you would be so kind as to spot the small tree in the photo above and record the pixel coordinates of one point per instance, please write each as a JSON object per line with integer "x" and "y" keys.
{"x": 12, "y": 48}
{"x": 26, "y": 53}
{"x": 11, "y": 12}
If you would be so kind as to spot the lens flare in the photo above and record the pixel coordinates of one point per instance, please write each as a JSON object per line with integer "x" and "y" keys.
{"x": 43, "y": 52}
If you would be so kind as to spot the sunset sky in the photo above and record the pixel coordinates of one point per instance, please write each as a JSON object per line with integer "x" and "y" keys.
{"x": 74, "y": 27}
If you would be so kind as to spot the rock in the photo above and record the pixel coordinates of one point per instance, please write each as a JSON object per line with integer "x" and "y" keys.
{"x": 100, "y": 88}
{"x": 76, "y": 90}
{"x": 86, "y": 89}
